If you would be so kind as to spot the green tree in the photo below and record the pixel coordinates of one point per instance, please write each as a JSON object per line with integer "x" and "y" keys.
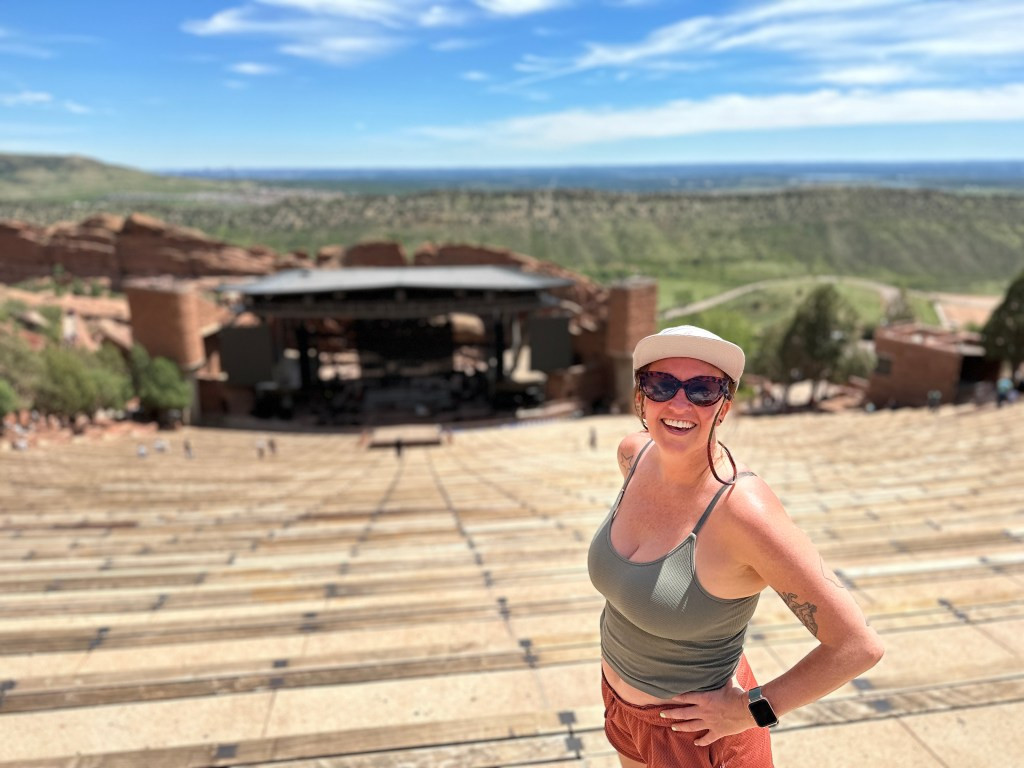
{"x": 816, "y": 340}
{"x": 1004, "y": 332}
{"x": 159, "y": 383}
{"x": 729, "y": 325}
{"x": 9, "y": 402}
{"x": 20, "y": 367}
{"x": 67, "y": 387}
{"x": 111, "y": 377}
{"x": 766, "y": 358}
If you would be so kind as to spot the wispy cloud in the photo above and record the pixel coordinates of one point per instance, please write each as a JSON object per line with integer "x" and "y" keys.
{"x": 18, "y": 45}
{"x": 877, "y": 74}
{"x": 442, "y": 16}
{"x": 243, "y": 21}
{"x": 520, "y": 7}
{"x": 336, "y": 32}
{"x": 25, "y": 98}
{"x": 15, "y": 48}
{"x": 341, "y": 50}
{"x": 735, "y": 112}
{"x": 475, "y": 76}
{"x": 457, "y": 44}
{"x": 42, "y": 99}
{"x": 388, "y": 12}
{"x": 76, "y": 109}
{"x": 907, "y": 36}
{"x": 253, "y": 68}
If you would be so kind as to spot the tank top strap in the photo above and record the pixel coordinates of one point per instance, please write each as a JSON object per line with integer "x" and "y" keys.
{"x": 629, "y": 476}
{"x": 714, "y": 501}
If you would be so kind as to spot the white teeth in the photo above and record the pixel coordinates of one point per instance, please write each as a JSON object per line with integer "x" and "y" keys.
{"x": 679, "y": 424}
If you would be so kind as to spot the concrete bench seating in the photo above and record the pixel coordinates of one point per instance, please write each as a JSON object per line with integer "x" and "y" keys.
{"x": 333, "y": 605}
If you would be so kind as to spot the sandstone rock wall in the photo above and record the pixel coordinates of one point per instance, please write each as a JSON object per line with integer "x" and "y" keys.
{"x": 115, "y": 248}
{"x": 375, "y": 254}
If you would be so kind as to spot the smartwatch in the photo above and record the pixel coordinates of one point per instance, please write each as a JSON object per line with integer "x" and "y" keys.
{"x": 761, "y": 709}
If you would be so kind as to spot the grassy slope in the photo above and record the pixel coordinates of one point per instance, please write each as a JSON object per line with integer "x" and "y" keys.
{"x": 698, "y": 245}
{"x": 71, "y": 178}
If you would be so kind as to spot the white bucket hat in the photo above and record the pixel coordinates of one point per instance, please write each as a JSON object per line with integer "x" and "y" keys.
{"x": 690, "y": 341}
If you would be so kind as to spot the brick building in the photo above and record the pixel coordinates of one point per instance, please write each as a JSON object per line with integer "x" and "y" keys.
{"x": 914, "y": 359}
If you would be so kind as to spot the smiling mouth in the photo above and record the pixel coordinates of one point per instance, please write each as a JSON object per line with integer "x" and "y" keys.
{"x": 678, "y": 425}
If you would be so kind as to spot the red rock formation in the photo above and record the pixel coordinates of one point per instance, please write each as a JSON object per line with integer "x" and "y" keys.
{"x": 82, "y": 250}
{"x": 330, "y": 256}
{"x": 22, "y": 252}
{"x": 114, "y": 248}
{"x": 375, "y": 254}
{"x": 150, "y": 247}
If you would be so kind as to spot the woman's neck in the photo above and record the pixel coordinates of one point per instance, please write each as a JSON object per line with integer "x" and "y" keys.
{"x": 686, "y": 472}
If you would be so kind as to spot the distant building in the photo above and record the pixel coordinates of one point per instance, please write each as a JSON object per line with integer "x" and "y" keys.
{"x": 914, "y": 359}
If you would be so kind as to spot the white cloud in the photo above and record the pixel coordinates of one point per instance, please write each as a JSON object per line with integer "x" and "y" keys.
{"x": 919, "y": 35}
{"x": 519, "y": 7}
{"x": 241, "y": 21}
{"x": 227, "y": 22}
{"x": 876, "y": 74}
{"x": 76, "y": 109}
{"x": 25, "y": 98}
{"x": 253, "y": 68}
{"x": 475, "y": 76}
{"x": 442, "y": 16}
{"x": 341, "y": 50}
{"x": 735, "y": 112}
{"x": 457, "y": 44}
{"x": 25, "y": 49}
{"x": 387, "y": 12}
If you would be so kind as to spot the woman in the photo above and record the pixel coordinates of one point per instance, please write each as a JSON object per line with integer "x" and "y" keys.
{"x": 690, "y": 543}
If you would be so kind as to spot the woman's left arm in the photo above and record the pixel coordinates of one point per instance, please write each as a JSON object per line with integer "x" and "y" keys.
{"x": 768, "y": 542}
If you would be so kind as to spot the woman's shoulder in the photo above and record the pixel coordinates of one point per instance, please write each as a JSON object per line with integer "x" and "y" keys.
{"x": 751, "y": 504}
{"x": 629, "y": 450}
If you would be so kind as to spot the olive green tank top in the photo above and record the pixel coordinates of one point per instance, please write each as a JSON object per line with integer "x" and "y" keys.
{"x": 660, "y": 630}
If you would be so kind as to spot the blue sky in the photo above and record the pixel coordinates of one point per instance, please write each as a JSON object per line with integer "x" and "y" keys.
{"x": 462, "y": 83}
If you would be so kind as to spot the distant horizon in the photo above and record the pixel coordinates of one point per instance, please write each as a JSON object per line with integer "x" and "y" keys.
{"x": 592, "y": 165}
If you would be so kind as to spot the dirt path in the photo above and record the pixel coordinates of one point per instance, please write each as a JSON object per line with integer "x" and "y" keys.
{"x": 954, "y": 310}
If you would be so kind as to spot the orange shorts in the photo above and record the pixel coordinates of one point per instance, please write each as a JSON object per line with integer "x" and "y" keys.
{"x": 641, "y": 734}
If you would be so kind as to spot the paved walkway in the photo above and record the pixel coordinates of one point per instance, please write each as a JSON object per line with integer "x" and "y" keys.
{"x": 337, "y": 606}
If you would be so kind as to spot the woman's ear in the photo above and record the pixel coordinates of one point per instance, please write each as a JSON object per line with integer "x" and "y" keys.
{"x": 725, "y": 409}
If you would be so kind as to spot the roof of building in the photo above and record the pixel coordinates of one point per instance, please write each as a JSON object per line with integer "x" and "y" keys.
{"x": 478, "y": 278}
{"x": 965, "y": 343}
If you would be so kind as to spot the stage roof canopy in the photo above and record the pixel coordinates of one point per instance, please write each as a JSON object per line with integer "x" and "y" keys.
{"x": 397, "y": 292}
{"x": 356, "y": 279}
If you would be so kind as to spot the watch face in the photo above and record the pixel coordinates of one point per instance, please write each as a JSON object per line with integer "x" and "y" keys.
{"x": 763, "y": 713}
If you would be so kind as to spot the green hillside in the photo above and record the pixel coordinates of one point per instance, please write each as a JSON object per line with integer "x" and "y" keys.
{"x": 699, "y": 244}
{"x": 68, "y": 178}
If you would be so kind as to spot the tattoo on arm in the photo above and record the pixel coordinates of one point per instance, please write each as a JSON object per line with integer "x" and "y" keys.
{"x": 804, "y": 611}
{"x": 625, "y": 461}
{"x": 831, "y": 579}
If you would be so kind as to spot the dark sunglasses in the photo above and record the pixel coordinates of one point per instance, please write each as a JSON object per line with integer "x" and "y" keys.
{"x": 700, "y": 390}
